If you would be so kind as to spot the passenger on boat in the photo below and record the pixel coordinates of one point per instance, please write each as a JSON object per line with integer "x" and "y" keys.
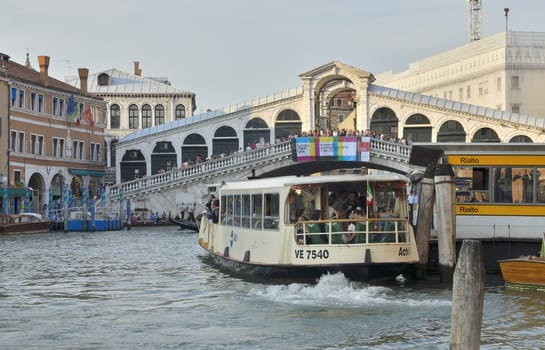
{"x": 360, "y": 228}
{"x": 352, "y": 202}
{"x": 386, "y": 226}
{"x": 338, "y": 229}
{"x": 208, "y": 206}
{"x": 296, "y": 207}
{"x": 215, "y": 215}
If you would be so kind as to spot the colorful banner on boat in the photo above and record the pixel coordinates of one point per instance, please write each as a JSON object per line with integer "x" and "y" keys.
{"x": 341, "y": 148}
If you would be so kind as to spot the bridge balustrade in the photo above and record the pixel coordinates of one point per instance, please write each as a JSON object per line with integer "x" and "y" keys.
{"x": 379, "y": 149}
{"x": 201, "y": 169}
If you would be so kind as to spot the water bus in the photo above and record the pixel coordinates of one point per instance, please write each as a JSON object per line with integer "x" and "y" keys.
{"x": 283, "y": 227}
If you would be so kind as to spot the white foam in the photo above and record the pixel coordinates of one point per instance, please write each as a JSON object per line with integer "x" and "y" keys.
{"x": 337, "y": 290}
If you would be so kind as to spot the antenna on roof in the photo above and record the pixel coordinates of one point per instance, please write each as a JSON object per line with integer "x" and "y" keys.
{"x": 475, "y": 19}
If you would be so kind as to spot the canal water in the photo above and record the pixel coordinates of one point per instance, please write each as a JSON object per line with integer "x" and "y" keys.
{"x": 154, "y": 288}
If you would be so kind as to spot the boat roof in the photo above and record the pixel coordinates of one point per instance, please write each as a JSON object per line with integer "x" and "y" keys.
{"x": 285, "y": 181}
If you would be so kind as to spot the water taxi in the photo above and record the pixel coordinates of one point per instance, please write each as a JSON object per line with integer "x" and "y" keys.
{"x": 304, "y": 227}
{"x": 525, "y": 272}
{"x": 23, "y": 223}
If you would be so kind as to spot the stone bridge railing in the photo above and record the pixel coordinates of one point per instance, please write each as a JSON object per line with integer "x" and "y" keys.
{"x": 382, "y": 151}
{"x": 203, "y": 170}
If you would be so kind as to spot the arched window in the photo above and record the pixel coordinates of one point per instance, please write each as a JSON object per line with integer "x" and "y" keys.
{"x": 159, "y": 115}
{"x": 287, "y": 123}
{"x": 115, "y": 117}
{"x": 180, "y": 112}
{"x": 521, "y": 138}
{"x": 451, "y": 131}
{"x": 384, "y": 121}
{"x": 146, "y": 116}
{"x": 133, "y": 117}
{"x": 485, "y": 135}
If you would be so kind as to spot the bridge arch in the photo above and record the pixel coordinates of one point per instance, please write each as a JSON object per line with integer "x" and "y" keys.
{"x": 56, "y": 186}
{"x": 287, "y": 123}
{"x": 225, "y": 140}
{"x": 256, "y": 129}
{"x": 451, "y": 131}
{"x": 417, "y": 128}
{"x": 194, "y": 148}
{"x": 384, "y": 121}
{"x": 163, "y": 157}
{"x": 485, "y": 135}
{"x": 133, "y": 165}
{"x": 39, "y": 193}
{"x": 521, "y": 139}
{"x": 320, "y": 81}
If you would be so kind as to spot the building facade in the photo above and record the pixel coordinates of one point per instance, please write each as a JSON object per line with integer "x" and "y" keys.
{"x": 505, "y": 71}
{"x": 56, "y": 133}
{"x": 135, "y": 102}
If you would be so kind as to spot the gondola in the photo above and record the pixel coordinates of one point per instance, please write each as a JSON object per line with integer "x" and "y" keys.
{"x": 184, "y": 224}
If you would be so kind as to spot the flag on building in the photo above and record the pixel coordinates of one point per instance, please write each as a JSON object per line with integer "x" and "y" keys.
{"x": 72, "y": 108}
{"x": 369, "y": 196}
{"x": 87, "y": 115}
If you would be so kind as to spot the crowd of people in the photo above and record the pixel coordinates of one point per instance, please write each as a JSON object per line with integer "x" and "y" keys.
{"x": 312, "y": 133}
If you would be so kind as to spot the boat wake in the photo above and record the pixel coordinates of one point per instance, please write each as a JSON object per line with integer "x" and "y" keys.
{"x": 336, "y": 290}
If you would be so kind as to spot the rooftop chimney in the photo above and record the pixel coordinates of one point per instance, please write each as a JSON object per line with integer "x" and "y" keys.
{"x": 43, "y": 61}
{"x": 83, "y": 75}
{"x": 137, "y": 70}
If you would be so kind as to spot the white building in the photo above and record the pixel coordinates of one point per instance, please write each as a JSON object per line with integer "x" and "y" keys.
{"x": 136, "y": 102}
{"x": 505, "y": 71}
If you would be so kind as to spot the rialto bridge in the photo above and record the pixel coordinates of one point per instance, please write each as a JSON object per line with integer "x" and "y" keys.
{"x": 333, "y": 96}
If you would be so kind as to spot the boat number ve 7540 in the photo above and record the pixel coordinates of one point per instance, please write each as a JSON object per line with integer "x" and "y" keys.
{"x": 312, "y": 254}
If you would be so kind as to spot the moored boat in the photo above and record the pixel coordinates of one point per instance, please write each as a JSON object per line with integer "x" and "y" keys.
{"x": 23, "y": 223}
{"x": 525, "y": 272}
{"x": 282, "y": 227}
{"x": 184, "y": 224}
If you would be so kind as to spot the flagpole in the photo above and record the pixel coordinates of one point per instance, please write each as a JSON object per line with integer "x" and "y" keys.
{"x": 367, "y": 194}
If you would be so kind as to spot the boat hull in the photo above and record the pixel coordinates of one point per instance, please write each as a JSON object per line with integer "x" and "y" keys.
{"x": 524, "y": 273}
{"x": 30, "y": 227}
{"x": 184, "y": 224}
{"x": 364, "y": 272}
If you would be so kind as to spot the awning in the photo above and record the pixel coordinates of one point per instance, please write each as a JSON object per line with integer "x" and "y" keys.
{"x": 12, "y": 191}
{"x": 87, "y": 172}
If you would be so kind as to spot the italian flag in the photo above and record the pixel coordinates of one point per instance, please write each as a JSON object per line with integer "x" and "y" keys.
{"x": 369, "y": 196}
{"x": 543, "y": 246}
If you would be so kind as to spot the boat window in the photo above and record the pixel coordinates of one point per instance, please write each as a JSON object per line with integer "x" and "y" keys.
{"x": 246, "y": 210}
{"x": 500, "y": 185}
{"x": 257, "y": 211}
{"x": 227, "y": 215}
{"x": 391, "y": 200}
{"x": 272, "y": 210}
{"x": 237, "y": 201}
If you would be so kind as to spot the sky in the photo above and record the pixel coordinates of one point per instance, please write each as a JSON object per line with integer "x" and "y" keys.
{"x": 232, "y": 51}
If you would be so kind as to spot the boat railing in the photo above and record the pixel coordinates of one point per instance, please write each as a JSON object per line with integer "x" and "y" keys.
{"x": 353, "y": 231}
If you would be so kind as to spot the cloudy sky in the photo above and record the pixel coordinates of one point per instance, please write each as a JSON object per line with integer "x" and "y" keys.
{"x": 232, "y": 51}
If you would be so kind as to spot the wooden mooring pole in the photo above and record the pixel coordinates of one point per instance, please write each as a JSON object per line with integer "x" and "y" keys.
{"x": 424, "y": 222}
{"x": 467, "y": 298}
{"x": 445, "y": 189}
